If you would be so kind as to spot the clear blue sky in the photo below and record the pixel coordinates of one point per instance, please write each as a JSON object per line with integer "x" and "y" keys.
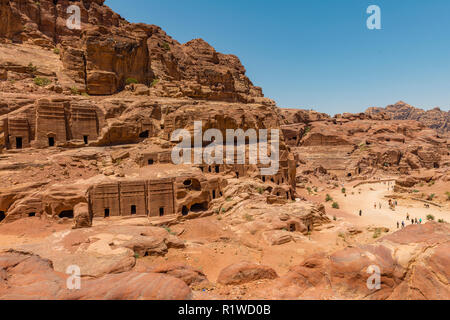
{"x": 319, "y": 54}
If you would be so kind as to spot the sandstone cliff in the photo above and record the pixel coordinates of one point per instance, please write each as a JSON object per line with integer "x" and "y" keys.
{"x": 108, "y": 52}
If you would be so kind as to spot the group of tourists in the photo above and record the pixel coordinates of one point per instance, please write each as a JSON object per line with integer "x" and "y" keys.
{"x": 408, "y": 218}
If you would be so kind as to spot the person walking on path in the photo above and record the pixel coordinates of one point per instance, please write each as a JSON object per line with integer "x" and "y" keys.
{"x": 360, "y": 213}
{"x": 398, "y": 225}
{"x": 407, "y": 216}
{"x": 403, "y": 224}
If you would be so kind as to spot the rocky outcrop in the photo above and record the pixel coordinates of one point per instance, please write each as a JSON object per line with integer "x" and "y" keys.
{"x": 360, "y": 144}
{"x": 412, "y": 263}
{"x": 82, "y": 218}
{"x": 435, "y": 118}
{"x": 245, "y": 272}
{"x": 108, "y": 53}
{"x": 29, "y": 277}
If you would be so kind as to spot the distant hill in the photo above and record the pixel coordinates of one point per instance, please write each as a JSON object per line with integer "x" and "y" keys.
{"x": 435, "y": 119}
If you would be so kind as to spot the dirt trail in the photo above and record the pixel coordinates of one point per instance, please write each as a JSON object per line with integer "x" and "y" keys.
{"x": 364, "y": 198}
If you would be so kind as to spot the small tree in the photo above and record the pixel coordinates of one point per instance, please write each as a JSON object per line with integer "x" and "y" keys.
{"x": 335, "y": 205}
{"x": 430, "y": 217}
{"x": 328, "y": 198}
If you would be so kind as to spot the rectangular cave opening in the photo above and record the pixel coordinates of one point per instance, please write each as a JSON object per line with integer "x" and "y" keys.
{"x": 161, "y": 211}
{"x": 18, "y": 142}
{"x": 86, "y": 139}
{"x": 107, "y": 213}
{"x": 51, "y": 141}
{"x": 133, "y": 210}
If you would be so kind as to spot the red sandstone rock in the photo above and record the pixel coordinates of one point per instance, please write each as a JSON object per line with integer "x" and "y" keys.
{"x": 411, "y": 262}
{"x": 245, "y": 272}
{"x": 28, "y": 277}
{"x": 188, "y": 274}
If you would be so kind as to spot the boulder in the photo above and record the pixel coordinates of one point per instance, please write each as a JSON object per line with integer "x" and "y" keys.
{"x": 82, "y": 218}
{"x": 245, "y": 272}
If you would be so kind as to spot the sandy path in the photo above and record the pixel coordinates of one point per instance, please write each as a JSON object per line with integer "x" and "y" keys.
{"x": 384, "y": 217}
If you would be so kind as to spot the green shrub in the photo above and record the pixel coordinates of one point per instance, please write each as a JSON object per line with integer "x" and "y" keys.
{"x": 131, "y": 80}
{"x": 56, "y": 51}
{"x": 431, "y": 197}
{"x": 248, "y": 217}
{"x": 334, "y": 218}
{"x": 377, "y": 233}
{"x": 260, "y": 190}
{"x": 41, "y": 82}
{"x": 154, "y": 82}
{"x": 344, "y": 190}
{"x": 335, "y": 205}
{"x": 74, "y": 91}
{"x": 441, "y": 221}
{"x": 430, "y": 217}
{"x": 328, "y": 198}
{"x": 448, "y": 195}
{"x": 307, "y": 130}
{"x": 32, "y": 68}
{"x": 166, "y": 46}
{"x": 170, "y": 231}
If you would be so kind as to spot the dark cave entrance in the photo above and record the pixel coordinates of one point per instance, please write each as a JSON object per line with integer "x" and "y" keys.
{"x": 66, "y": 214}
{"x": 18, "y": 142}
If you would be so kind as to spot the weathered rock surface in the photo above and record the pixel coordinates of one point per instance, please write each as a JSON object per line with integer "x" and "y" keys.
{"x": 103, "y": 249}
{"x": 413, "y": 264}
{"x": 245, "y": 272}
{"x": 29, "y": 277}
{"x": 108, "y": 52}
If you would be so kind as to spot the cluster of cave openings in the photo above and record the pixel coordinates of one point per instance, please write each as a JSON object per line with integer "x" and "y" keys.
{"x": 2, "y": 215}
{"x": 66, "y": 214}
